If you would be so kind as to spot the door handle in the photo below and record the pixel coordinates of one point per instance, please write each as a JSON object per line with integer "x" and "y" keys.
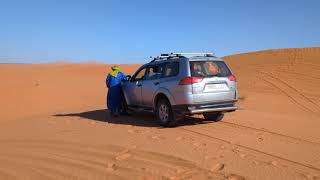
{"x": 139, "y": 84}
{"x": 156, "y": 83}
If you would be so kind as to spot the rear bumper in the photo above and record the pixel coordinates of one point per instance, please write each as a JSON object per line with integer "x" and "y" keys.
{"x": 225, "y": 106}
{"x": 205, "y": 110}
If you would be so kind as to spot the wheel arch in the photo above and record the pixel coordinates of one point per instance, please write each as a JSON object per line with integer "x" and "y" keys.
{"x": 163, "y": 94}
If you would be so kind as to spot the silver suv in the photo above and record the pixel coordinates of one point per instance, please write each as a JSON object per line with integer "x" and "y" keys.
{"x": 176, "y": 85}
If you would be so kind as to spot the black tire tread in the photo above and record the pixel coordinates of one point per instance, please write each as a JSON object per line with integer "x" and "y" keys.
{"x": 172, "y": 121}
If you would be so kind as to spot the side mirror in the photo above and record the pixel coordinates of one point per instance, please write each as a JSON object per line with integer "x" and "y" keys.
{"x": 128, "y": 77}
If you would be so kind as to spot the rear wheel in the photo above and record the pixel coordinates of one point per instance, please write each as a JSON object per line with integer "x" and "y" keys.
{"x": 215, "y": 116}
{"x": 164, "y": 113}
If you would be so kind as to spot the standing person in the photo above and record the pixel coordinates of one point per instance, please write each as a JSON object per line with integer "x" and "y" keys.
{"x": 115, "y": 96}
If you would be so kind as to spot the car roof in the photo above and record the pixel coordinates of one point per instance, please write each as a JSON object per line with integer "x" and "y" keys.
{"x": 165, "y": 61}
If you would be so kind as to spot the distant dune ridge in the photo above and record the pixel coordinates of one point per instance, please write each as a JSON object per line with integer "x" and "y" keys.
{"x": 53, "y": 125}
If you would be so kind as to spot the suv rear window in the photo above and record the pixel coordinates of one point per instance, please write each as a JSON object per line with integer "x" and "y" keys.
{"x": 209, "y": 69}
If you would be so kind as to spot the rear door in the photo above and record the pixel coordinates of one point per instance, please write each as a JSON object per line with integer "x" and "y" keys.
{"x": 150, "y": 84}
{"x": 215, "y": 85}
{"x": 170, "y": 80}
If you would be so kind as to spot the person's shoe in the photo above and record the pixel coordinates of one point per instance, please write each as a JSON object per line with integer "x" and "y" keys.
{"x": 125, "y": 113}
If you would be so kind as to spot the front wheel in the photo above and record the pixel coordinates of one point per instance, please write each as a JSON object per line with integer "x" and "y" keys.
{"x": 215, "y": 116}
{"x": 164, "y": 113}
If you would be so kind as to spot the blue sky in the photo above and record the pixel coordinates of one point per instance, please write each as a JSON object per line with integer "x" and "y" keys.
{"x": 123, "y": 31}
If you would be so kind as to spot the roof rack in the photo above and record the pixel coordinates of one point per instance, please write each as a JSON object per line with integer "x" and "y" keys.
{"x": 177, "y": 55}
{"x": 197, "y": 54}
{"x": 165, "y": 57}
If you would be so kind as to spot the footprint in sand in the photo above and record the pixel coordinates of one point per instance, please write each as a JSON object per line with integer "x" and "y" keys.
{"x": 173, "y": 178}
{"x": 235, "y": 177}
{"x": 211, "y": 157}
{"x": 123, "y": 157}
{"x": 235, "y": 150}
{"x": 275, "y": 163}
{"x": 180, "y": 170}
{"x": 217, "y": 167}
{"x": 111, "y": 166}
{"x": 309, "y": 176}
{"x": 255, "y": 162}
{"x": 197, "y": 144}
{"x": 136, "y": 131}
{"x": 158, "y": 137}
{"x": 131, "y": 131}
{"x": 124, "y": 151}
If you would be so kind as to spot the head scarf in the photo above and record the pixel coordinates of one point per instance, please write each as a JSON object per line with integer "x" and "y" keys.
{"x": 114, "y": 71}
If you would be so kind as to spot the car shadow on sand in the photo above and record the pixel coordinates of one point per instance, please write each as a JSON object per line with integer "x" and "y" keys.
{"x": 135, "y": 119}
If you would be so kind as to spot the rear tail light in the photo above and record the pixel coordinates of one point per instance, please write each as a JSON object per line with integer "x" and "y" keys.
{"x": 232, "y": 77}
{"x": 190, "y": 80}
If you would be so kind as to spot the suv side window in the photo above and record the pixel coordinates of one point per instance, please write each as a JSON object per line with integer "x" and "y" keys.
{"x": 171, "y": 69}
{"x": 153, "y": 72}
{"x": 139, "y": 75}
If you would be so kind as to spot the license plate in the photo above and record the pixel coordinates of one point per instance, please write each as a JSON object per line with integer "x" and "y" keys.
{"x": 215, "y": 87}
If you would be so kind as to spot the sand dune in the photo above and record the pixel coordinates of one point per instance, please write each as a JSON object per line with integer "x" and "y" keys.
{"x": 30, "y": 89}
{"x": 53, "y": 125}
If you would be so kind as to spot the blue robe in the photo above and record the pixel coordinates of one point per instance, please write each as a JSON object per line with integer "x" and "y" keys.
{"x": 115, "y": 96}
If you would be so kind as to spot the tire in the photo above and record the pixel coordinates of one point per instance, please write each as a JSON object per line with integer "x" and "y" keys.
{"x": 164, "y": 113}
{"x": 216, "y": 116}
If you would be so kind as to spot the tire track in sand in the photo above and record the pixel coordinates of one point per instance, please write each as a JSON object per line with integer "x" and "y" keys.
{"x": 259, "y": 143}
{"x": 270, "y": 132}
{"x": 292, "y": 93}
{"x": 297, "y": 97}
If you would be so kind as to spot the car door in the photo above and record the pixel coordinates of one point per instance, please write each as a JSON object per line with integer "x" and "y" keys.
{"x": 133, "y": 88}
{"x": 150, "y": 84}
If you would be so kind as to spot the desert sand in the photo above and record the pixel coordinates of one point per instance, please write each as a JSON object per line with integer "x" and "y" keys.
{"x": 53, "y": 125}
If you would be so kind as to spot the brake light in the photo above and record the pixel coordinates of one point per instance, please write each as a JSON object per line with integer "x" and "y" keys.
{"x": 190, "y": 80}
{"x": 232, "y": 77}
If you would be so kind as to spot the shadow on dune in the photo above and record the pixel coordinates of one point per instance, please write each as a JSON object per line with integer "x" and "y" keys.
{"x": 135, "y": 119}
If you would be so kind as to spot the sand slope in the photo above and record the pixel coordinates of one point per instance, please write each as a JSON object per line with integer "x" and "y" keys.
{"x": 281, "y": 84}
{"x": 53, "y": 125}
